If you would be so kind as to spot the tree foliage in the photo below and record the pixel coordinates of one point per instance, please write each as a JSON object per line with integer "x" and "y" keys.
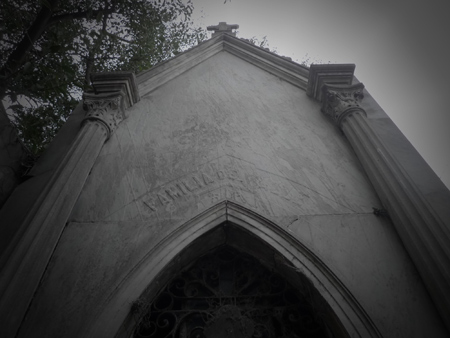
{"x": 262, "y": 43}
{"x": 49, "y": 48}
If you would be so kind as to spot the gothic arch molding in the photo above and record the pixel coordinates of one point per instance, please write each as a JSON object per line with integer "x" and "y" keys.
{"x": 231, "y": 224}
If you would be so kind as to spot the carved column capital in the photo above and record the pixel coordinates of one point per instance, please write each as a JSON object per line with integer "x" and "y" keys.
{"x": 424, "y": 235}
{"x": 112, "y": 94}
{"x": 108, "y": 109}
{"x": 29, "y": 255}
{"x": 340, "y": 102}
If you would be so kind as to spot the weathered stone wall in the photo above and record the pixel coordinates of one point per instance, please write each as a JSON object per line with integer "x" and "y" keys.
{"x": 227, "y": 130}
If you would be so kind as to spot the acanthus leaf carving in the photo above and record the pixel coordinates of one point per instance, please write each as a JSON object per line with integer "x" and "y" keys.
{"x": 112, "y": 93}
{"x": 341, "y": 101}
{"x": 106, "y": 109}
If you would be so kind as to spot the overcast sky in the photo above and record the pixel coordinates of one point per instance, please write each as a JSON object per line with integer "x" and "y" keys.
{"x": 401, "y": 50}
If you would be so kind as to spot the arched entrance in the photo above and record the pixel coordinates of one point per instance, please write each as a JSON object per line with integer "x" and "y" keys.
{"x": 231, "y": 225}
{"x": 227, "y": 293}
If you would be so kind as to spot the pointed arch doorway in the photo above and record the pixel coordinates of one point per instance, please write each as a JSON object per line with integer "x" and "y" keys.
{"x": 227, "y": 293}
{"x": 311, "y": 292}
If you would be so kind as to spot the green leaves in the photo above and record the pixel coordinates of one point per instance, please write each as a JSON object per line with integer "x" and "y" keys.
{"x": 82, "y": 37}
{"x": 37, "y": 126}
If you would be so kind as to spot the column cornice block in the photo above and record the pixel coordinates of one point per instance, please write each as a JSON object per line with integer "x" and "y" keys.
{"x": 332, "y": 74}
{"x": 112, "y": 94}
{"x": 120, "y": 82}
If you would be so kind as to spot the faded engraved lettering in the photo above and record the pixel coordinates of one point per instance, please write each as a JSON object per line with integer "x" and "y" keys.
{"x": 163, "y": 199}
{"x": 220, "y": 174}
{"x": 238, "y": 196}
{"x": 207, "y": 179}
{"x": 188, "y": 187}
{"x": 182, "y": 188}
{"x": 196, "y": 180}
{"x": 179, "y": 189}
{"x": 234, "y": 175}
{"x": 151, "y": 204}
{"x": 215, "y": 197}
{"x": 173, "y": 192}
{"x": 193, "y": 184}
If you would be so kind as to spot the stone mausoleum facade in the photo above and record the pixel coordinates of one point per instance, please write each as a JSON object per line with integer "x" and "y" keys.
{"x": 227, "y": 192}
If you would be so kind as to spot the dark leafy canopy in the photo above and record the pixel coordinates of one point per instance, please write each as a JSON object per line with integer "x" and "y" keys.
{"x": 48, "y": 49}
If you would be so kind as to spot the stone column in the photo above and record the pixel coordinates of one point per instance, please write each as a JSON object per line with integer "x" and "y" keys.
{"x": 25, "y": 267}
{"x": 423, "y": 233}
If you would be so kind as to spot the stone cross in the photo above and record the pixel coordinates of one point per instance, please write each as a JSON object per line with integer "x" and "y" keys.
{"x": 222, "y": 27}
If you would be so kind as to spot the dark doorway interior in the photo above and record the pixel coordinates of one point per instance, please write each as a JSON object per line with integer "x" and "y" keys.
{"x": 228, "y": 293}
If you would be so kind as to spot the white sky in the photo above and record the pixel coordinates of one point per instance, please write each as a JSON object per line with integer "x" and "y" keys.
{"x": 401, "y": 50}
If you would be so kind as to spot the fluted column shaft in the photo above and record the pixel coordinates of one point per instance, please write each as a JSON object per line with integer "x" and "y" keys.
{"x": 423, "y": 233}
{"x": 29, "y": 255}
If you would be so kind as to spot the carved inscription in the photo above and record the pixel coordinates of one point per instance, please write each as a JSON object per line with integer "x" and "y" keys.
{"x": 215, "y": 184}
{"x": 182, "y": 188}
{"x": 228, "y": 193}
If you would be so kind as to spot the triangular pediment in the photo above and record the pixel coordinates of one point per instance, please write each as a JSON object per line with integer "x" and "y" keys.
{"x": 279, "y": 66}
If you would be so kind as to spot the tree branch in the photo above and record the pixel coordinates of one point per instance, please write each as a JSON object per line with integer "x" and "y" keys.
{"x": 43, "y": 20}
{"x": 91, "y": 56}
{"x": 18, "y": 55}
{"x": 79, "y": 15}
{"x": 114, "y": 36}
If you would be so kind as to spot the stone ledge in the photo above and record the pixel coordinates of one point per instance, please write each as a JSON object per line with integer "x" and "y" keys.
{"x": 334, "y": 74}
{"x": 110, "y": 82}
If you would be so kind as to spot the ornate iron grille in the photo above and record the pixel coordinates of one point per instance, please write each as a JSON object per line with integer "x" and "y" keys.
{"x": 230, "y": 294}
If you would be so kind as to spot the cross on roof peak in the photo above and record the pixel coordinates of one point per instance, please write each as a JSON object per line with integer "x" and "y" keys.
{"x": 223, "y": 27}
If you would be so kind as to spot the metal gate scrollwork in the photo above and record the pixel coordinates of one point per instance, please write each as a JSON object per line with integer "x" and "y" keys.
{"x": 230, "y": 294}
